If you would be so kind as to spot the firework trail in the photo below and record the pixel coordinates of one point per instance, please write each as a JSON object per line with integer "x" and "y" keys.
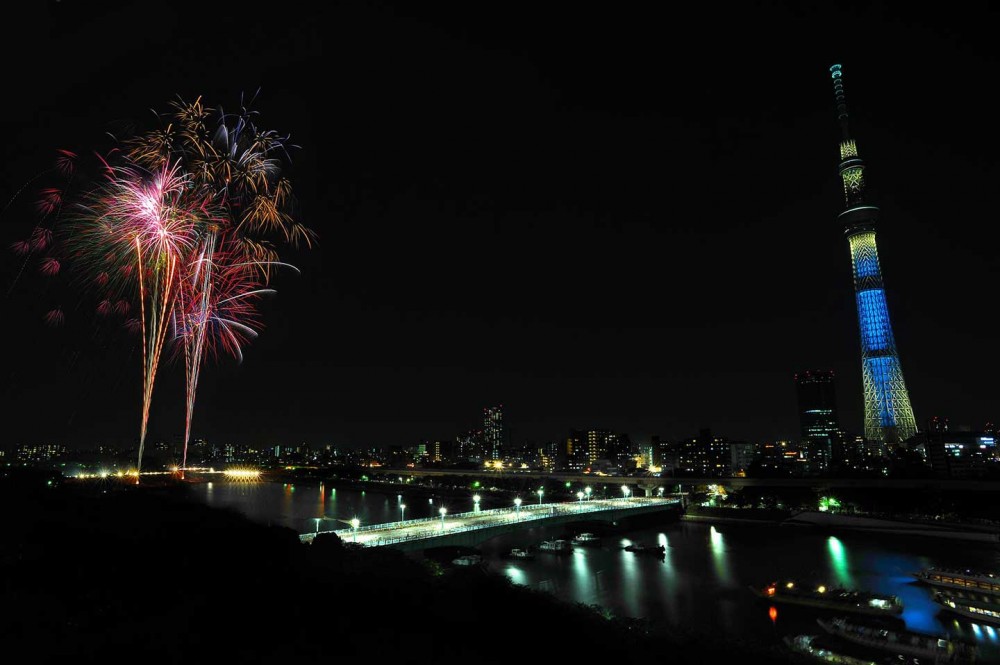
{"x": 182, "y": 227}
{"x": 238, "y": 167}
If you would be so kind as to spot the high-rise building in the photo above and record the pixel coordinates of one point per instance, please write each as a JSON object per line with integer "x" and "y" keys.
{"x": 493, "y": 432}
{"x": 742, "y": 455}
{"x": 888, "y": 415}
{"x": 818, "y": 416}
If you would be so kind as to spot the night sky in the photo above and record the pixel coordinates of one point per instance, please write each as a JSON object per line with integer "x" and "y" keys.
{"x": 598, "y": 217}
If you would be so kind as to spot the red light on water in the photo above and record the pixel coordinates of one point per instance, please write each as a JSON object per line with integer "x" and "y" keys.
{"x": 773, "y": 613}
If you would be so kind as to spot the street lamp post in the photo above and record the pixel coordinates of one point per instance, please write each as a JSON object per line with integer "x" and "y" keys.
{"x": 443, "y": 510}
{"x": 587, "y": 491}
{"x": 579, "y": 497}
{"x": 355, "y": 523}
{"x": 318, "y": 519}
{"x": 402, "y": 510}
{"x": 625, "y": 491}
{"x": 517, "y": 504}
{"x": 475, "y": 503}
{"x": 540, "y": 493}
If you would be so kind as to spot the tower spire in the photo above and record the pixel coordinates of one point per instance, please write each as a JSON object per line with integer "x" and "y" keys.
{"x": 888, "y": 414}
{"x": 836, "y": 72}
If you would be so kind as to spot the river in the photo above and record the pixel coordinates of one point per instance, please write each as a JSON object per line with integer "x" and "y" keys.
{"x": 698, "y": 587}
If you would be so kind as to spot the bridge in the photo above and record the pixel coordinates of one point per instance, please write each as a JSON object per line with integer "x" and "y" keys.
{"x": 473, "y": 528}
{"x": 675, "y": 484}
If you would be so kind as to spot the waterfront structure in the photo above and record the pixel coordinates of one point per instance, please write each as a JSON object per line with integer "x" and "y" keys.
{"x": 493, "y": 432}
{"x": 818, "y": 416}
{"x": 888, "y": 415}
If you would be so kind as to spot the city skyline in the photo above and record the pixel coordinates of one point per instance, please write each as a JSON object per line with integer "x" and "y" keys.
{"x": 591, "y": 236}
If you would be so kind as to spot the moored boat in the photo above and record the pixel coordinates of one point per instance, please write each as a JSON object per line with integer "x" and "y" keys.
{"x": 961, "y": 579}
{"x": 645, "y": 548}
{"x": 821, "y": 597}
{"x": 900, "y": 642}
{"x": 518, "y": 553}
{"x": 586, "y": 539}
{"x": 555, "y": 546}
{"x": 468, "y": 560}
{"x": 970, "y": 606}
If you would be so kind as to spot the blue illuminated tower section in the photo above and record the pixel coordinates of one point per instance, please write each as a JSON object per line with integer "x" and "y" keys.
{"x": 888, "y": 415}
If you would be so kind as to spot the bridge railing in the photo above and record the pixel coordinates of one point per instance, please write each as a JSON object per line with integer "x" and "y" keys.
{"x": 530, "y": 513}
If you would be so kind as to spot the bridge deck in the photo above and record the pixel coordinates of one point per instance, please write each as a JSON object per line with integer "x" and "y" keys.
{"x": 498, "y": 519}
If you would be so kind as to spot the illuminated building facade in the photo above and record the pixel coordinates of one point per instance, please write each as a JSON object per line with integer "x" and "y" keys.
{"x": 888, "y": 415}
{"x": 818, "y": 415}
{"x": 493, "y": 432}
{"x": 705, "y": 456}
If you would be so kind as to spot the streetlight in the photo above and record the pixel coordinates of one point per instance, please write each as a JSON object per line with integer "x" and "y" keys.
{"x": 443, "y": 510}
{"x": 355, "y": 523}
{"x": 587, "y": 491}
{"x": 579, "y": 497}
{"x": 475, "y": 502}
{"x": 402, "y": 509}
{"x": 517, "y": 504}
{"x": 541, "y": 491}
{"x": 625, "y": 491}
{"x": 317, "y": 523}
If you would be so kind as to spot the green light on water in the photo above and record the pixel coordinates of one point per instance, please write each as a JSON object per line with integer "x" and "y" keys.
{"x": 838, "y": 561}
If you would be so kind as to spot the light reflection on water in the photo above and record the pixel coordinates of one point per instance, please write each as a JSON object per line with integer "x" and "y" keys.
{"x": 699, "y": 585}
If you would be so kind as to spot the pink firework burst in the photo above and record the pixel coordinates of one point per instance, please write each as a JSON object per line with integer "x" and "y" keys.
{"x": 55, "y": 318}
{"x": 41, "y": 238}
{"x": 66, "y": 162}
{"x": 104, "y": 307}
{"x": 50, "y": 199}
{"x": 20, "y": 247}
{"x": 49, "y": 266}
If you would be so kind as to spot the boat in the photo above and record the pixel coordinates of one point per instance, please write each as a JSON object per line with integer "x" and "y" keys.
{"x": 970, "y": 606}
{"x": 586, "y": 539}
{"x": 961, "y": 579}
{"x": 645, "y": 548}
{"x": 807, "y": 644}
{"x": 555, "y": 546}
{"x": 468, "y": 560}
{"x": 518, "y": 553}
{"x": 900, "y": 642}
{"x": 846, "y": 600}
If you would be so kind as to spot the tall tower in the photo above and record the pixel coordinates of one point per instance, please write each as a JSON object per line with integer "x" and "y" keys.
{"x": 888, "y": 415}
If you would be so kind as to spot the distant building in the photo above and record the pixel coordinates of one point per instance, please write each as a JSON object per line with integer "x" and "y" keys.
{"x": 575, "y": 451}
{"x": 818, "y": 417}
{"x": 705, "y": 455}
{"x": 962, "y": 454}
{"x": 39, "y": 453}
{"x": 493, "y": 433}
{"x": 444, "y": 451}
{"x": 742, "y": 455}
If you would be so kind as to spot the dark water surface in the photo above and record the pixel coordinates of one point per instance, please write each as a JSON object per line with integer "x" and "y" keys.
{"x": 701, "y": 583}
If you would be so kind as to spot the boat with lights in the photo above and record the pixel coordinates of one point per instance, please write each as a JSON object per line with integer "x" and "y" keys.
{"x": 926, "y": 648}
{"x": 518, "y": 553}
{"x": 972, "y": 606}
{"x": 822, "y": 597}
{"x": 555, "y": 546}
{"x": 961, "y": 579}
{"x": 586, "y": 539}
